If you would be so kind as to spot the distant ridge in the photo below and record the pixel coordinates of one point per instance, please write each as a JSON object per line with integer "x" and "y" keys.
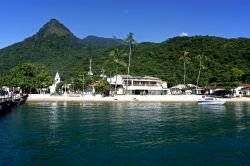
{"x": 103, "y": 42}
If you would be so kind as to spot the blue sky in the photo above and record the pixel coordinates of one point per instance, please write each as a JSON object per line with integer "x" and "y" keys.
{"x": 149, "y": 20}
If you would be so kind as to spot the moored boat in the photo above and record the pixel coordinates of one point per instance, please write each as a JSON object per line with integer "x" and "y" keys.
{"x": 210, "y": 100}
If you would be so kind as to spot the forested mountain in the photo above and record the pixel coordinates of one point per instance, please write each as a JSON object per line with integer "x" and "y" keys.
{"x": 225, "y": 61}
{"x": 55, "y": 47}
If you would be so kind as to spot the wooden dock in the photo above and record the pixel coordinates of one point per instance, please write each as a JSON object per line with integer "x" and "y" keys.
{"x": 7, "y": 103}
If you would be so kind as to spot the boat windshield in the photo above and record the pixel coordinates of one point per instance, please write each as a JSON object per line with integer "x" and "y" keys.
{"x": 209, "y": 98}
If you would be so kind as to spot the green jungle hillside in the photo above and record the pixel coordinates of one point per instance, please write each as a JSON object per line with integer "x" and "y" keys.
{"x": 224, "y": 62}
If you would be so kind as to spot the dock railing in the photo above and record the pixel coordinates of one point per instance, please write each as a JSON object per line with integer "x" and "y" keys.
{"x": 4, "y": 98}
{"x": 9, "y": 98}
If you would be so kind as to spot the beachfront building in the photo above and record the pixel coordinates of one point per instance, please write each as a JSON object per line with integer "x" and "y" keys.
{"x": 245, "y": 90}
{"x": 187, "y": 89}
{"x": 137, "y": 85}
{"x": 57, "y": 80}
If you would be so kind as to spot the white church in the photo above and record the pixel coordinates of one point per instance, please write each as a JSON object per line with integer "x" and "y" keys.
{"x": 57, "y": 80}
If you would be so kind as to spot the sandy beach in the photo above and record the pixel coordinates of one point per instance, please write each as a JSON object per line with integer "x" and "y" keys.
{"x": 128, "y": 98}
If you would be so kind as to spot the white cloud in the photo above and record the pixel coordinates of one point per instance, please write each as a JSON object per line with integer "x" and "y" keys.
{"x": 183, "y": 34}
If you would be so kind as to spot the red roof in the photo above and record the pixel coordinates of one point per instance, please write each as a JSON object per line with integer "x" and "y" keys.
{"x": 247, "y": 87}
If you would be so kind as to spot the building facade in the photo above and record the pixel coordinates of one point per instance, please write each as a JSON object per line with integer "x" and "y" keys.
{"x": 136, "y": 85}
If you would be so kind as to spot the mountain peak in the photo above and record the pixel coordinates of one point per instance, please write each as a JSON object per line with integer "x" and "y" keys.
{"x": 53, "y": 20}
{"x": 53, "y": 26}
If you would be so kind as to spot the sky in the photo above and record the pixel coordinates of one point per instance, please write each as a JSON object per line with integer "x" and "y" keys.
{"x": 149, "y": 20}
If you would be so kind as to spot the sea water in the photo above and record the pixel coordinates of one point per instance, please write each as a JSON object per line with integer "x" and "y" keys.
{"x": 66, "y": 133}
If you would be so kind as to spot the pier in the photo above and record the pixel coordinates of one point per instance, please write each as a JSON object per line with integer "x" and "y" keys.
{"x": 7, "y": 103}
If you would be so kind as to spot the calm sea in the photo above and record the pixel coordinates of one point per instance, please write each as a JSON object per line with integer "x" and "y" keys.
{"x": 66, "y": 133}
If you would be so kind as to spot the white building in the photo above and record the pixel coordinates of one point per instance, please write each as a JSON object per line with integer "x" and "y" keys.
{"x": 57, "y": 80}
{"x": 136, "y": 85}
{"x": 245, "y": 90}
{"x": 187, "y": 88}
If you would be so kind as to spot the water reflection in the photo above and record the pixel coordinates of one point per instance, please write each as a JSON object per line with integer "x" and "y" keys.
{"x": 241, "y": 115}
{"x": 95, "y": 133}
{"x": 218, "y": 109}
{"x": 53, "y": 122}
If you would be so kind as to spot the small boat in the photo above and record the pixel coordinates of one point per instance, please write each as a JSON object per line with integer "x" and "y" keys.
{"x": 210, "y": 100}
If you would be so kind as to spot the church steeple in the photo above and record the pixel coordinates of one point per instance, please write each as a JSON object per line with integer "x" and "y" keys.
{"x": 57, "y": 78}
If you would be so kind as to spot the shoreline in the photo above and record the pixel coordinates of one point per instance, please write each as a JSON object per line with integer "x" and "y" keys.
{"x": 127, "y": 98}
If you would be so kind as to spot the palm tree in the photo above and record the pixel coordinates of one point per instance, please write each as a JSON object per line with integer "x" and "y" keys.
{"x": 116, "y": 55}
{"x": 185, "y": 60}
{"x": 131, "y": 42}
{"x": 201, "y": 57}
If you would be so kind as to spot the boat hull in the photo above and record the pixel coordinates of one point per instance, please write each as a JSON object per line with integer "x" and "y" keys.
{"x": 211, "y": 102}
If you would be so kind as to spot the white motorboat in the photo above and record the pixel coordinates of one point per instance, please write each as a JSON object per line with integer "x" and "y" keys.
{"x": 210, "y": 100}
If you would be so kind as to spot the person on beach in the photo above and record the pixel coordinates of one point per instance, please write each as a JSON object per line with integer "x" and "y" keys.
{"x": 10, "y": 94}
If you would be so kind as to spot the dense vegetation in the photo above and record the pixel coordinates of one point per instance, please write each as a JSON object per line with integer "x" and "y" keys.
{"x": 225, "y": 61}
{"x": 28, "y": 77}
{"x": 209, "y": 61}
